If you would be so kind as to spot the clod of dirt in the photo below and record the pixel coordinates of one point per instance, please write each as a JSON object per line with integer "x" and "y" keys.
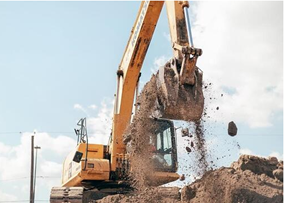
{"x": 188, "y": 149}
{"x": 278, "y": 174}
{"x": 187, "y": 193}
{"x": 182, "y": 177}
{"x": 232, "y": 128}
{"x": 258, "y": 165}
{"x": 185, "y": 132}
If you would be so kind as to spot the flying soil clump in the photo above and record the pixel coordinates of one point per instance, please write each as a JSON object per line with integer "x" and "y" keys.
{"x": 232, "y": 128}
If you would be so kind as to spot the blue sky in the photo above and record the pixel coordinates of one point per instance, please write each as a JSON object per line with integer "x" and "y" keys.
{"x": 58, "y": 63}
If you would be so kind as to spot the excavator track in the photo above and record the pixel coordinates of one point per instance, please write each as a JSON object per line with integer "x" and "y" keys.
{"x": 82, "y": 194}
{"x": 66, "y": 194}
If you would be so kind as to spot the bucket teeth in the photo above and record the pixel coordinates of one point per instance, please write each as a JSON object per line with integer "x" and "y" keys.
{"x": 187, "y": 75}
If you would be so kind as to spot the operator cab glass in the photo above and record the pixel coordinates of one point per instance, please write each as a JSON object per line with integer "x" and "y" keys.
{"x": 164, "y": 153}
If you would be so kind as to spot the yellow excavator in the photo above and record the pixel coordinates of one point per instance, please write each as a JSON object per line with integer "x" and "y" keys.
{"x": 92, "y": 171}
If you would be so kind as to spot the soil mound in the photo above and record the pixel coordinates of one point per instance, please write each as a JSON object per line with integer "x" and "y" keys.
{"x": 251, "y": 179}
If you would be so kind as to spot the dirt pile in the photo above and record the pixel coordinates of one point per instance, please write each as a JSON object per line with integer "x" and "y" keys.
{"x": 148, "y": 195}
{"x": 251, "y": 179}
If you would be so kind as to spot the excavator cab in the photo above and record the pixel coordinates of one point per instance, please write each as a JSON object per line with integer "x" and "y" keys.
{"x": 164, "y": 147}
{"x": 162, "y": 154}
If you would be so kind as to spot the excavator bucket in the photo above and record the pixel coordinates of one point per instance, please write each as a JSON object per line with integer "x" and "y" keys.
{"x": 180, "y": 95}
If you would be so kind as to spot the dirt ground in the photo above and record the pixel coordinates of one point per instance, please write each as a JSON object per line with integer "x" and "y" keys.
{"x": 251, "y": 179}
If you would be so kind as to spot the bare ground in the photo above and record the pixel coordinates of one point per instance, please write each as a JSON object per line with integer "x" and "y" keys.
{"x": 251, "y": 179}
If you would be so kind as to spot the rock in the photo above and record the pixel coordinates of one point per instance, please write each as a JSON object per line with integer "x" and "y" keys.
{"x": 231, "y": 170}
{"x": 184, "y": 132}
{"x": 187, "y": 193}
{"x": 236, "y": 177}
{"x": 280, "y": 165}
{"x": 273, "y": 160}
{"x": 257, "y": 165}
{"x": 232, "y": 128}
{"x": 182, "y": 177}
{"x": 263, "y": 177}
{"x": 188, "y": 149}
{"x": 278, "y": 174}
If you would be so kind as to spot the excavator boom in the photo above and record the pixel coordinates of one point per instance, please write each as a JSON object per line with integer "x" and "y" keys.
{"x": 129, "y": 71}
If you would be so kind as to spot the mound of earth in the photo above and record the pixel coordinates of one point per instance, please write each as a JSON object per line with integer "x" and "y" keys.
{"x": 251, "y": 179}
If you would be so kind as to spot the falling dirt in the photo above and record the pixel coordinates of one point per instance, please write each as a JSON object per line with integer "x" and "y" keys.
{"x": 161, "y": 99}
{"x": 138, "y": 135}
{"x": 201, "y": 148}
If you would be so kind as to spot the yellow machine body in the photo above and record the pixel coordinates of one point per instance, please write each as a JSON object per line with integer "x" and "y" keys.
{"x": 97, "y": 168}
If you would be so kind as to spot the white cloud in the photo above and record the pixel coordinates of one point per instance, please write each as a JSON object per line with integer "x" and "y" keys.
{"x": 60, "y": 144}
{"x": 7, "y": 197}
{"x": 246, "y": 151}
{"x": 158, "y": 62}
{"x": 51, "y": 168}
{"x": 4, "y": 149}
{"x": 99, "y": 127}
{"x": 79, "y": 107}
{"x": 94, "y": 107}
{"x": 15, "y": 163}
{"x": 18, "y": 157}
{"x": 167, "y": 36}
{"x": 242, "y": 45}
